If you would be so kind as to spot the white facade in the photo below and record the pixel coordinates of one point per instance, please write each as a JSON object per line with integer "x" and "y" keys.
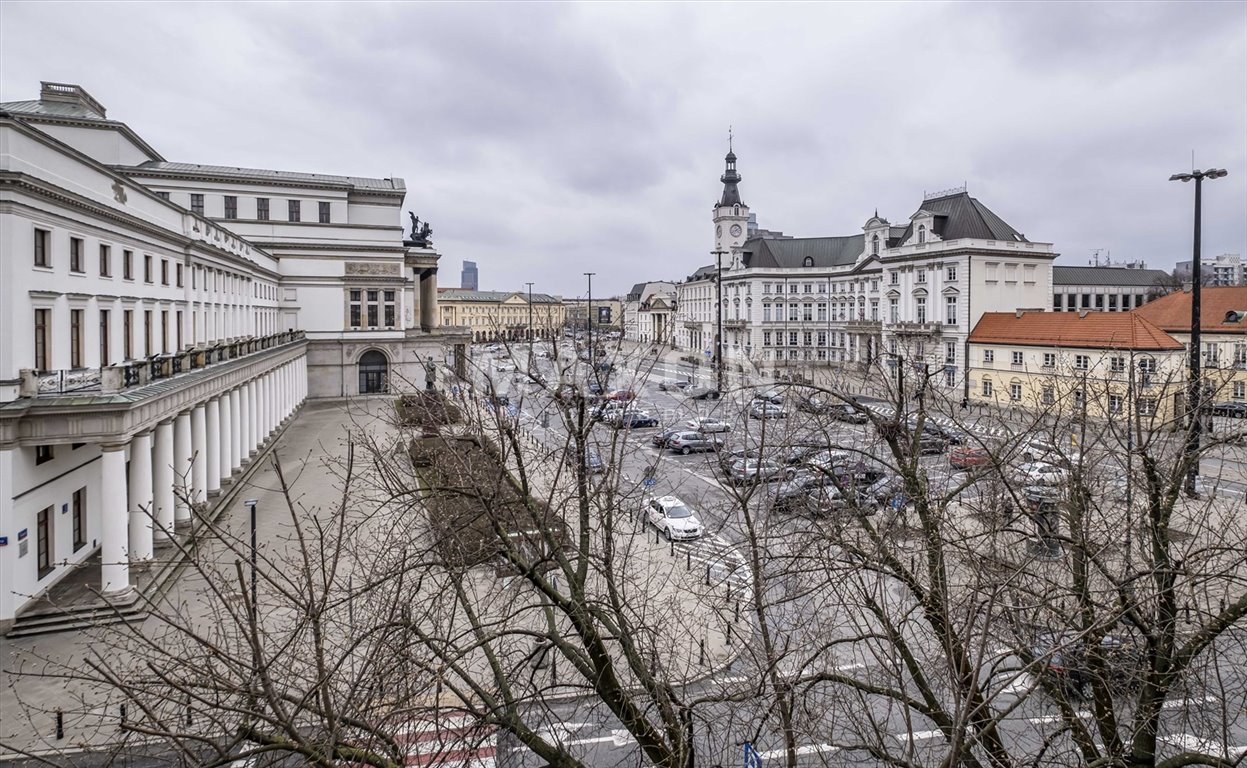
{"x": 149, "y": 350}
{"x": 650, "y": 311}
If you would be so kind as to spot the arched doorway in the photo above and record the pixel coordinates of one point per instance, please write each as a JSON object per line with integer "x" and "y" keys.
{"x": 373, "y": 373}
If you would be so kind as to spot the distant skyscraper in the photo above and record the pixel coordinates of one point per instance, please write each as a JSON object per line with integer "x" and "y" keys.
{"x": 468, "y": 280}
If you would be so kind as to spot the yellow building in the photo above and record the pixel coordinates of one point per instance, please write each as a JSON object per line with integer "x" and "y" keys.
{"x": 1223, "y": 335}
{"x": 1098, "y": 363}
{"x": 502, "y": 315}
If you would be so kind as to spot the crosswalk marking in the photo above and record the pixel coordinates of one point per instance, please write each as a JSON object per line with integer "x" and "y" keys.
{"x": 805, "y": 749}
{"x": 1191, "y": 743}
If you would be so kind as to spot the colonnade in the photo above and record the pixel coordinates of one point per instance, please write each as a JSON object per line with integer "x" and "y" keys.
{"x": 175, "y": 466}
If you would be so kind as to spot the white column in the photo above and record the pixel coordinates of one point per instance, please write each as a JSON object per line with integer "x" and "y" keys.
{"x": 163, "y": 474}
{"x": 266, "y": 406}
{"x": 140, "y": 534}
{"x": 227, "y": 436}
{"x": 114, "y": 566}
{"x": 182, "y": 464}
{"x": 256, "y": 438}
{"x": 246, "y": 422}
{"x": 235, "y": 420}
{"x": 199, "y": 451}
{"x": 212, "y": 428}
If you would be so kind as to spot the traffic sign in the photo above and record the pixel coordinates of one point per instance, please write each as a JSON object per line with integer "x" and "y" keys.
{"x": 752, "y": 758}
{"x": 649, "y": 482}
{"x": 512, "y": 410}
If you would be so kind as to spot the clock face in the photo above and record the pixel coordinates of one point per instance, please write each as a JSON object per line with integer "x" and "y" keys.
{"x": 735, "y": 230}
{"x": 718, "y": 231}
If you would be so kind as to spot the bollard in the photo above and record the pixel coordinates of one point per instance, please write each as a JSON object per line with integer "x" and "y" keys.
{"x": 737, "y": 619}
{"x": 689, "y": 567}
{"x": 672, "y": 543}
{"x": 190, "y": 713}
{"x": 1186, "y": 613}
{"x": 913, "y": 563}
{"x": 707, "y": 574}
{"x": 701, "y": 654}
{"x": 1222, "y": 605}
{"x": 60, "y": 724}
{"x": 728, "y": 634}
{"x": 123, "y": 716}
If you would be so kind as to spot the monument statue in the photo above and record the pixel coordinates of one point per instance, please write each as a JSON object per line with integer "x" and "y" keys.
{"x": 420, "y": 234}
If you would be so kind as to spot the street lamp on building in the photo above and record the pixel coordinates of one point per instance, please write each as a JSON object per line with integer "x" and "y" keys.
{"x": 1195, "y": 388}
{"x": 251, "y": 505}
{"x": 530, "y": 326}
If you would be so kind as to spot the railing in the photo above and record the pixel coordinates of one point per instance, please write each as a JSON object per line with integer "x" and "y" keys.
{"x": 928, "y": 328}
{"x": 137, "y": 373}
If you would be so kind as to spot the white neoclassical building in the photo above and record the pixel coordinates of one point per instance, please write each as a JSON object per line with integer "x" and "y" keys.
{"x": 161, "y": 320}
{"x": 804, "y": 307}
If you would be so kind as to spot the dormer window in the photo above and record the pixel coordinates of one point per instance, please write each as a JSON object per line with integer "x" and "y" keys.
{"x": 808, "y": 262}
{"x": 735, "y": 210}
{"x": 922, "y": 233}
{"x": 874, "y": 245}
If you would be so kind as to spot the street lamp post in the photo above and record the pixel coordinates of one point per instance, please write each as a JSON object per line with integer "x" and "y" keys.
{"x": 718, "y": 316}
{"x": 589, "y": 322}
{"x": 530, "y": 326}
{"x": 1195, "y": 389}
{"x": 251, "y": 505}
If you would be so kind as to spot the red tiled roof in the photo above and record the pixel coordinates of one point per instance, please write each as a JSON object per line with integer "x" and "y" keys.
{"x": 1172, "y": 312}
{"x": 1093, "y": 330}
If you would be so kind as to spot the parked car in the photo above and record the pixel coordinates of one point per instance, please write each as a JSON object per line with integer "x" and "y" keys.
{"x": 728, "y": 458}
{"x": 595, "y": 388}
{"x": 1041, "y": 450}
{"x": 831, "y": 500}
{"x": 847, "y": 413}
{"x": 687, "y": 442}
{"x": 1040, "y": 473}
{"x": 1070, "y": 660}
{"x": 950, "y": 435}
{"x": 674, "y": 386}
{"x": 504, "y": 367}
{"x": 889, "y": 491}
{"x": 788, "y": 492}
{"x": 702, "y": 393}
{"x": 1231, "y": 409}
{"x": 708, "y": 424}
{"x": 811, "y": 404}
{"x": 634, "y": 420}
{"x": 927, "y": 444}
{"x": 593, "y": 461}
{"x": 746, "y": 471}
{"x": 622, "y": 394}
{"x": 773, "y": 396}
{"x": 761, "y": 409}
{"x": 968, "y": 456}
{"x": 606, "y": 411}
{"x": 662, "y": 439}
{"x": 497, "y": 400}
{"x": 797, "y": 454}
{"x": 673, "y": 517}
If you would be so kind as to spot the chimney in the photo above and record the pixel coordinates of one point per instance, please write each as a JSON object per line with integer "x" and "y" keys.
{"x": 68, "y": 93}
{"x": 1082, "y": 314}
{"x": 1018, "y": 313}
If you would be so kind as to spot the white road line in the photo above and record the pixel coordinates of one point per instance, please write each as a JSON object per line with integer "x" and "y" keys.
{"x": 1191, "y": 742}
{"x": 1180, "y": 703}
{"x": 918, "y": 735}
{"x": 805, "y": 749}
{"x": 1021, "y": 684}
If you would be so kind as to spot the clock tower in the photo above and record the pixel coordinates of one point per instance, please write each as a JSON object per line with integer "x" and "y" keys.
{"x": 731, "y": 216}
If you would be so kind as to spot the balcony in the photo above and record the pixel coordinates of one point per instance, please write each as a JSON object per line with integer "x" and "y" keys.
{"x": 862, "y": 324}
{"x": 915, "y": 329}
{"x": 138, "y": 373}
{"x": 735, "y": 325}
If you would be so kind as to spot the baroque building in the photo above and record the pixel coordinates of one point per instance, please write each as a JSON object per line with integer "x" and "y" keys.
{"x": 162, "y": 320}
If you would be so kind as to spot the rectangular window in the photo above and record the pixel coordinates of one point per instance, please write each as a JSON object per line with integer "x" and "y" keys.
{"x": 1114, "y": 403}
{"x": 178, "y": 338}
{"x": 164, "y": 271}
{"x": 371, "y": 309}
{"x": 894, "y": 277}
{"x": 809, "y": 288}
{"x": 1011, "y": 273}
{"x": 1017, "y": 358}
{"x": 76, "y": 264}
{"x": 990, "y": 271}
{"x": 950, "y": 352}
{"x": 75, "y": 338}
{"x": 807, "y": 312}
{"x": 179, "y": 275}
{"x": 43, "y": 330}
{"x": 922, "y": 275}
{"x": 766, "y": 338}
{"x": 894, "y": 310}
{"x": 822, "y": 338}
{"x": 105, "y": 332}
{"x": 987, "y": 387}
{"x": 950, "y": 310}
{"x": 292, "y": 210}
{"x": 106, "y": 261}
{"x": 1049, "y": 396}
{"x": 822, "y": 313}
{"x": 390, "y": 308}
{"x": 43, "y": 536}
{"x": 1240, "y": 390}
{"x": 950, "y": 274}
{"x": 874, "y": 310}
{"x": 43, "y": 256}
{"x": 1082, "y": 362}
{"x": 43, "y": 454}
{"x": 1015, "y": 392}
{"x": 197, "y": 204}
{"x": 356, "y": 309}
{"x": 261, "y": 208}
{"x": 127, "y": 265}
{"x": 808, "y": 338}
{"x": 766, "y": 287}
{"x": 80, "y": 518}
{"x": 164, "y": 330}
{"x": 1117, "y": 364}
{"x": 324, "y": 212}
{"x": 147, "y": 333}
{"x": 792, "y": 338}
{"x": 1079, "y": 399}
{"x": 162, "y": 195}
{"x": 147, "y": 267}
{"x": 989, "y": 355}
{"x": 231, "y": 206}
{"x": 1028, "y": 273}
{"x": 1049, "y": 359}
{"x": 1147, "y": 406}
{"x": 766, "y": 313}
{"x": 127, "y": 333}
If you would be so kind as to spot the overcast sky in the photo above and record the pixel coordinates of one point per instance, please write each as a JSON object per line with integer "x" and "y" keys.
{"x": 543, "y": 140}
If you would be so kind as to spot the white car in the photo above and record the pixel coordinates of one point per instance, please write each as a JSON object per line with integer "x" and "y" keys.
{"x": 673, "y": 517}
{"x": 502, "y": 367}
{"x": 1041, "y": 473}
{"x": 1047, "y": 453}
{"x": 708, "y": 425}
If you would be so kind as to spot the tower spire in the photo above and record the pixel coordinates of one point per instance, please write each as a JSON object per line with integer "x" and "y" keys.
{"x": 730, "y": 178}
